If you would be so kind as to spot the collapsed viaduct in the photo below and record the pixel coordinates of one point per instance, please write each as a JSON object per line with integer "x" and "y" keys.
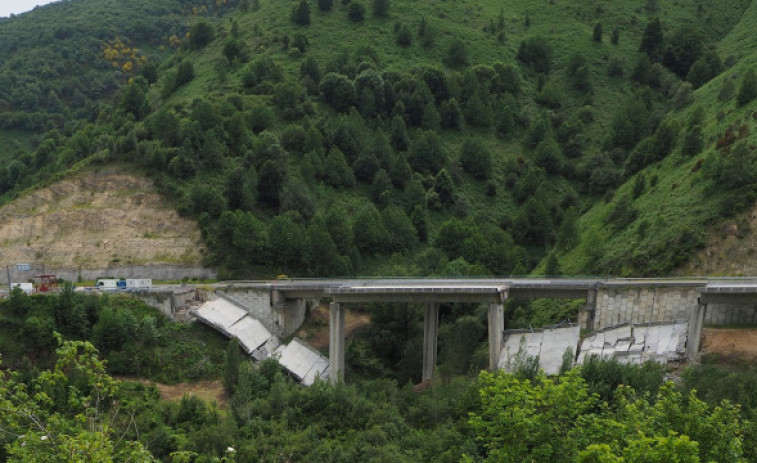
{"x": 282, "y": 305}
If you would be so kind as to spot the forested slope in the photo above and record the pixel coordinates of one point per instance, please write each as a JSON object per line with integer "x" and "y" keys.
{"x": 430, "y": 138}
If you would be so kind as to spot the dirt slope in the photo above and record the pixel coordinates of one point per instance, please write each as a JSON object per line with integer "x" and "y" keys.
{"x": 315, "y": 330}
{"x": 731, "y": 249}
{"x": 730, "y": 343}
{"x": 96, "y": 219}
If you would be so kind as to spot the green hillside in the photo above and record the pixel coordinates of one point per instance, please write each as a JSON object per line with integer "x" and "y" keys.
{"x": 53, "y": 72}
{"x": 320, "y": 138}
{"x": 415, "y": 138}
{"x": 685, "y": 192}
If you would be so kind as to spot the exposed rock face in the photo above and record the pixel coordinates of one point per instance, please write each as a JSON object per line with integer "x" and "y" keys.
{"x": 97, "y": 220}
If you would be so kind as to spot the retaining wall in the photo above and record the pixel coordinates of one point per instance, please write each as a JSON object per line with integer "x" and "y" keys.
{"x": 615, "y": 306}
{"x": 170, "y": 303}
{"x": 731, "y": 314}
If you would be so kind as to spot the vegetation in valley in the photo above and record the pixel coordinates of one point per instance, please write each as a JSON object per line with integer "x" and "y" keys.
{"x": 134, "y": 339}
{"x": 603, "y": 411}
{"x": 59, "y": 399}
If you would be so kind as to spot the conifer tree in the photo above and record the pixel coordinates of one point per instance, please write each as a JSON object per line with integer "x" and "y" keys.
{"x": 232, "y": 361}
{"x": 301, "y": 13}
{"x": 597, "y": 35}
{"x": 748, "y": 89}
{"x": 652, "y": 40}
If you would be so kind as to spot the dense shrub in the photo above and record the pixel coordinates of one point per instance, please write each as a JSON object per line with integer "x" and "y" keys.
{"x": 426, "y": 154}
{"x": 684, "y": 48}
{"x": 457, "y": 54}
{"x": 184, "y": 73}
{"x": 338, "y": 91}
{"x": 537, "y": 53}
{"x": 476, "y": 158}
{"x": 356, "y": 12}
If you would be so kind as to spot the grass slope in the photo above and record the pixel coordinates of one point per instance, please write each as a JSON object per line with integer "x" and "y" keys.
{"x": 674, "y": 215}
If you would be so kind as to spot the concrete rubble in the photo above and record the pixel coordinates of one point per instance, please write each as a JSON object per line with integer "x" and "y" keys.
{"x": 661, "y": 342}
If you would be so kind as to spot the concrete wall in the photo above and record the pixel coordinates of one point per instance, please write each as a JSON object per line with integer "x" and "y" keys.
{"x": 156, "y": 272}
{"x": 169, "y": 303}
{"x": 615, "y": 306}
{"x": 731, "y": 314}
{"x": 159, "y": 300}
{"x": 281, "y": 318}
{"x": 643, "y": 305}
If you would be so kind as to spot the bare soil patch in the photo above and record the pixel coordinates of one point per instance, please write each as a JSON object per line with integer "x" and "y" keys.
{"x": 730, "y": 249}
{"x": 731, "y": 343}
{"x": 94, "y": 220}
{"x": 209, "y": 391}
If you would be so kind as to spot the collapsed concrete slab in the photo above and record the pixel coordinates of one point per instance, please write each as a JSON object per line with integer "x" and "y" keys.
{"x": 629, "y": 343}
{"x": 250, "y": 333}
{"x": 303, "y": 362}
{"x": 548, "y": 345}
{"x": 220, "y": 314}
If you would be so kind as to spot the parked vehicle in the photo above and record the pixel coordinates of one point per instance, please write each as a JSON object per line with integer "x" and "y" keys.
{"x": 138, "y": 284}
{"x": 28, "y": 288}
{"x": 108, "y": 284}
{"x": 130, "y": 284}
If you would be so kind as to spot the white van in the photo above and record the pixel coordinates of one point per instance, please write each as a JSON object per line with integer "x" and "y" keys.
{"x": 28, "y": 288}
{"x": 107, "y": 284}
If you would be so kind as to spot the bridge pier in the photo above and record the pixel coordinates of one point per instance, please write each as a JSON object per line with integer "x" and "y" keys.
{"x": 496, "y": 332}
{"x": 696, "y": 325}
{"x": 336, "y": 343}
{"x": 430, "y": 333}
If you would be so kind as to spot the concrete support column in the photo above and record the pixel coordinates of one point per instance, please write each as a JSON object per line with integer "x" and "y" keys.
{"x": 336, "y": 343}
{"x": 696, "y": 325}
{"x": 589, "y": 311}
{"x": 430, "y": 333}
{"x": 496, "y": 332}
{"x": 276, "y": 298}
